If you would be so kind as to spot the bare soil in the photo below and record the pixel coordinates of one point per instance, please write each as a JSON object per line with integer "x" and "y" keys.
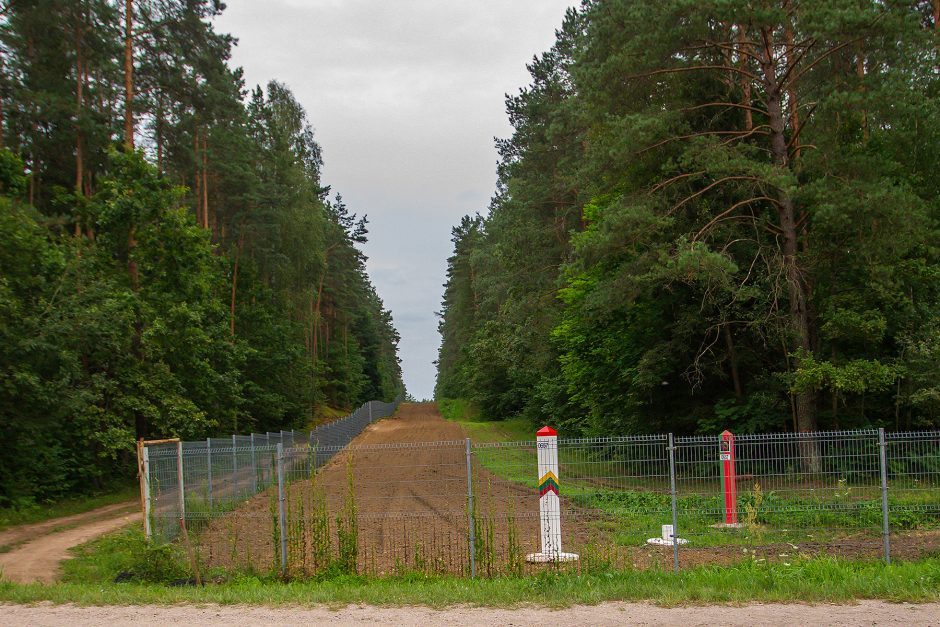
{"x": 407, "y": 475}
{"x": 39, "y": 549}
{"x": 862, "y": 613}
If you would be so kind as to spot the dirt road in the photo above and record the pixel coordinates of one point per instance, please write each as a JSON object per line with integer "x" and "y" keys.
{"x": 409, "y": 478}
{"x": 38, "y": 549}
{"x": 863, "y": 613}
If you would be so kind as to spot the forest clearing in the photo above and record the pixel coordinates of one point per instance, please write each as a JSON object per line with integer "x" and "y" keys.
{"x": 553, "y": 302}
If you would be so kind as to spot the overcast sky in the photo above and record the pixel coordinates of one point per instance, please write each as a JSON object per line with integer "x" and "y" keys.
{"x": 405, "y": 97}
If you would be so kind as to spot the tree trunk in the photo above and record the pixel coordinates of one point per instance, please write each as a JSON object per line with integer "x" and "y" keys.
{"x": 238, "y": 254}
{"x": 2, "y": 138}
{"x": 159, "y": 134}
{"x": 316, "y": 316}
{"x": 733, "y": 362}
{"x": 79, "y": 106}
{"x": 205, "y": 183}
{"x": 745, "y": 81}
{"x": 860, "y": 71}
{"x": 804, "y": 401}
{"x": 791, "y": 92}
{"x": 129, "y": 74}
{"x": 197, "y": 179}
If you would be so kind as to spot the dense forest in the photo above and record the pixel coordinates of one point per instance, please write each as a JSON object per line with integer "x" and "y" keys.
{"x": 171, "y": 262}
{"x": 711, "y": 214}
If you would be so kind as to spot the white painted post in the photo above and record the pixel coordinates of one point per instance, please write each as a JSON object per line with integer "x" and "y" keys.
{"x": 147, "y": 529}
{"x": 549, "y": 503}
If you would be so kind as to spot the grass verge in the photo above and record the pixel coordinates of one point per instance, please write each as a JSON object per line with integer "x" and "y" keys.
{"x": 479, "y": 429}
{"x": 39, "y": 512}
{"x": 149, "y": 574}
{"x": 821, "y": 580}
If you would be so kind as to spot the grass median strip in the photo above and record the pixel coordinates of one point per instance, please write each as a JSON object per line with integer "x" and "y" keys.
{"x": 818, "y": 580}
{"x": 154, "y": 573}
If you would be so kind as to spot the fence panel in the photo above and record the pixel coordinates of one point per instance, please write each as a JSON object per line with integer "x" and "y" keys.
{"x": 913, "y": 464}
{"x": 220, "y": 474}
{"x": 400, "y": 507}
{"x": 613, "y": 495}
{"x": 796, "y": 494}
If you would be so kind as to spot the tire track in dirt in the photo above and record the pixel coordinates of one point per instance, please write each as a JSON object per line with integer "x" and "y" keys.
{"x": 39, "y": 559}
{"x": 409, "y": 479}
{"x": 20, "y": 533}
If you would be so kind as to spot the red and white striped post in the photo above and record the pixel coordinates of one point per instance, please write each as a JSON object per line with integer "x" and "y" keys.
{"x": 549, "y": 503}
{"x": 729, "y": 479}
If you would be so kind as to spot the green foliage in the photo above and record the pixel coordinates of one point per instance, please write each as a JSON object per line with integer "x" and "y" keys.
{"x": 805, "y": 581}
{"x": 126, "y": 556}
{"x": 347, "y": 527}
{"x": 210, "y": 287}
{"x": 684, "y": 239}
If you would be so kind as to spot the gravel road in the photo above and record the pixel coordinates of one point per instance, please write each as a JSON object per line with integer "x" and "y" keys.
{"x": 863, "y": 613}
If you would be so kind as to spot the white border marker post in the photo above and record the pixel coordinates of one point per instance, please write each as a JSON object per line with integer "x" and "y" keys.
{"x": 549, "y": 504}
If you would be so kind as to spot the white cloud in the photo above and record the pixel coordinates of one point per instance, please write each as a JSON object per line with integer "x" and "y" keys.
{"x": 405, "y": 97}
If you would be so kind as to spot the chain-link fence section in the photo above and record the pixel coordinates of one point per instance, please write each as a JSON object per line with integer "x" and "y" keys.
{"x": 381, "y": 506}
{"x": 189, "y": 483}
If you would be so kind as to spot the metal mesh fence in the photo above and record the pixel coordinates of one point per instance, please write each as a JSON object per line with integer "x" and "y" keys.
{"x": 474, "y": 508}
{"x": 196, "y": 482}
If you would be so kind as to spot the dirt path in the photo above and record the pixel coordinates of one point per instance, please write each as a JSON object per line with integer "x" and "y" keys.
{"x": 409, "y": 476}
{"x": 863, "y": 613}
{"x": 41, "y": 547}
{"x": 18, "y": 534}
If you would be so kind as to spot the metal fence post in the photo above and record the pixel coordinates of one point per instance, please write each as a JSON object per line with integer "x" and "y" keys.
{"x": 470, "y": 530}
{"x": 234, "y": 469}
{"x": 209, "y": 470}
{"x": 281, "y": 507}
{"x": 254, "y": 467}
{"x": 675, "y": 513}
{"x": 147, "y": 530}
{"x": 179, "y": 480}
{"x": 885, "y": 529}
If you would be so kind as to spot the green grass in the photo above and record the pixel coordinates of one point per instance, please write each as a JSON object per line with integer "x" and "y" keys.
{"x": 821, "y": 580}
{"x": 158, "y": 575}
{"x": 38, "y": 512}
{"x": 479, "y": 429}
{"x": 633, "y": 508}
{"x": 325, "y": 414}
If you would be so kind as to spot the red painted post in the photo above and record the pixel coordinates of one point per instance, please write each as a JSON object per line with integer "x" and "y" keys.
{"x": 729, "y": 478}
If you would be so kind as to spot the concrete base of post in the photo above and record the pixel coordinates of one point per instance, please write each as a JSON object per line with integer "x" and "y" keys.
{"x": 545, "y": 558}
{"x": 666, "y": 538}
{"x": 728, "y": 526}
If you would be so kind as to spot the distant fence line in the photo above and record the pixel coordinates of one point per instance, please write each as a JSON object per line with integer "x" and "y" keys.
{"x": 473, "y": 508}
{"x": 202, "y": 478}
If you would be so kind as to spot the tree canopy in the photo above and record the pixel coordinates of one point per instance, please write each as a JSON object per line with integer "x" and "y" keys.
{"x": 172, "y": 263}
{"x": 711, "y": 215}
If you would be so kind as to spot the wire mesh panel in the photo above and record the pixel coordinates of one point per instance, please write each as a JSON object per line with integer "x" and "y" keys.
{"x": 392, "y": 503}
{"x": 613, "y": 495}
{"x": 220, "y": 474}
{"x": 779, "y": 495}
{"x": 164, "y": 490}
{"x": 913, "y": 469}
{"x": 384, "y": 508}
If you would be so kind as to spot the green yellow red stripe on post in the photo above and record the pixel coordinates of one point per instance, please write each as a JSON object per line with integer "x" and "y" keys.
{"x": 548, "y": 483}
